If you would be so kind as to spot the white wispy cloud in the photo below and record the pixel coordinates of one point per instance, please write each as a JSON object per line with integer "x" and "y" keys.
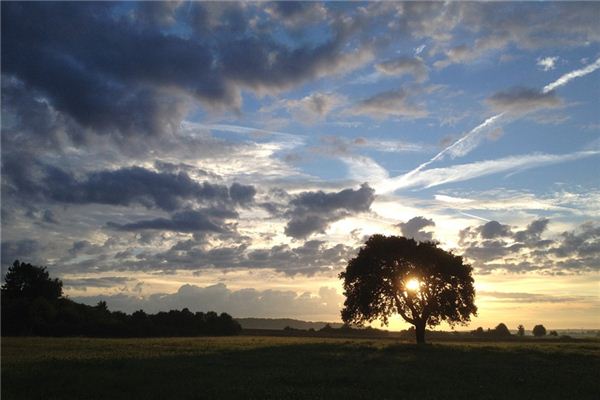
{"x": 457, "y": 173}
{"x": 473, "y": 138}
{"x": 547, "y": 63}
{"x": 563, "y": 80}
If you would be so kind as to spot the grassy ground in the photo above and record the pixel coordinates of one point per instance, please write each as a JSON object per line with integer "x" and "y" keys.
{"x": 295, "y": 368}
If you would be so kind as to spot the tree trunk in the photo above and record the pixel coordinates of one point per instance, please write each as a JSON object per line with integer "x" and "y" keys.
{"x": 420, "y": 332}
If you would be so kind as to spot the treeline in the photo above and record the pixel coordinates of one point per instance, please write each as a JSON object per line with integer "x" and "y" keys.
{"x": 33, "y": 304}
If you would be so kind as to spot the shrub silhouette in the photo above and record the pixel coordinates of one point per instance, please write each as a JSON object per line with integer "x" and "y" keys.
{"x": 376, "y": 284}
{"x": 501, "y": 330}
{"x": 521, "y": 330}
{"x": 32, "y": 304}
{"x": 539, "y": 331}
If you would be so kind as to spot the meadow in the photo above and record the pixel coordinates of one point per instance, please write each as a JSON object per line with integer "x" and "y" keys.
{"x": 246, "y": 367}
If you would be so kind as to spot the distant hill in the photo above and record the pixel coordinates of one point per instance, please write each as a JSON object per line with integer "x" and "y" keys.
{"x": 281, "y": 323}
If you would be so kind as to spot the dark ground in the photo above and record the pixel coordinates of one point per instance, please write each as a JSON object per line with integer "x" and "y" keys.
{"x": 264, "y": 367}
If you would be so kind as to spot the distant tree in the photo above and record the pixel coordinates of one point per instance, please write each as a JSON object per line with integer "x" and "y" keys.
{"x": 424, "y": 284}
{"x": 23, "y": 280}
{"x": 478, "y": 332}
{"x": 539, "y": 331}
{"x": 521, "y": 330}
{"x": 501, "y": 330}
{"x": 102, "y": 306}
{"x": 32, "y": 304}
{"x": 553, "y": 333}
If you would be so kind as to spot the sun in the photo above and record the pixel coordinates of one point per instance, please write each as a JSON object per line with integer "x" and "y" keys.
{"x": 412, "y": 285}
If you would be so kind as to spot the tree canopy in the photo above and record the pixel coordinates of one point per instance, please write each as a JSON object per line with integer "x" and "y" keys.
{"x": 539, "y": 330}
{"x": 421, "y": 282}
{"x": 24, "y": 280}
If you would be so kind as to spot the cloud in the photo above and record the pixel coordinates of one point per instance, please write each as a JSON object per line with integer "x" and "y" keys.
{"x": 27, "y": 250}
{"x": 519, "y": 297}
{"x": 123, "y": 187}
{"x": 547, "y": 63}
{"x": 245, "y": 302}
{"x": 497, "y": 247}
{"x": 312, "y": 212}
{"x": 564, "y": 79}
{"x": 494, "y": 229}
{"x": 312, "y": 257}
{"x": 314, "y": 107}
{"x": 529, "y": 26}
{"x": 105, "y": 282}
{"x": 393, "y": 103}
{"x": 147, "y": 82}
{"x": 461, "y": 172}
{"x": 188, "y": 221}
{"x": 403, "y": 66}
{"x": 296, "y": 13}
{"x": 413, "y": 228}
{"x": 522, "y": 100}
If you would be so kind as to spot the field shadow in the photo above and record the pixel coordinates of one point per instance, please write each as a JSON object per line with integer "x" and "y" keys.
{"x": 314, "y": 371}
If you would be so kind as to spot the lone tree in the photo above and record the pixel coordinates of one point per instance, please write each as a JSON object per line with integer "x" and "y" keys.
{"x": 521, "y": 330}
{"x": 422, "y": 283}
{"x": 539, "y": 331}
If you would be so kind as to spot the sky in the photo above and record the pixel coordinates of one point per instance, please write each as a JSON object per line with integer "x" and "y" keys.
{"x": 234, "y": 156}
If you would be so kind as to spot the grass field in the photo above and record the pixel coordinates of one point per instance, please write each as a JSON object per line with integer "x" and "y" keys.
{"x": 295, "y": 368}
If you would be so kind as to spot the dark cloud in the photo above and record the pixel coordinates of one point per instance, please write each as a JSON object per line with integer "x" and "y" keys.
{"x": 533, "y": 232}
{"x": 584, "y": 242}
{"x": 231, "y": 253}
{"x": 521, "y": 100}
{"x": 27, "y": 250}
{"x": 242, "y": 194}
{"x": 125, "y": 75}
{"x": 312, "y": 212}
{"x": 413, "y": 228}
{"x": 188, "y": 221}
{"x": 123, "y": 187}
{"x": 494, "y": 246}
{"x": 49, "y": 217}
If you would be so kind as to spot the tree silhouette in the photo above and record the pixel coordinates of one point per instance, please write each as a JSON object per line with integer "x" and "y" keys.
{"x": 539, "y": 331}
{"x": 424, "y": 284}
{"x": 26, "y": 281}
{"x": 521, "y": 330}
{"x": 501, "y": 330}
{"x": 32, "y": 304}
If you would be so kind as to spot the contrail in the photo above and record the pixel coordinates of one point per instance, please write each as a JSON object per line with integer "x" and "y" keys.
{"x": 463, "y": 145}
{"x": 458, "y": 144}
{"x": 571, "y": 75}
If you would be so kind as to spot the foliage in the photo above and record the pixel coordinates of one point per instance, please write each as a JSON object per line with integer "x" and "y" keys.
{"x": 501, "y": 330}
{"x": 521, "y": 330}
{"x": 26, "y": 281}
{"x": 32, "y": 304}
{"x": 375, "y": 284}
{"x": 539, "y": 331}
